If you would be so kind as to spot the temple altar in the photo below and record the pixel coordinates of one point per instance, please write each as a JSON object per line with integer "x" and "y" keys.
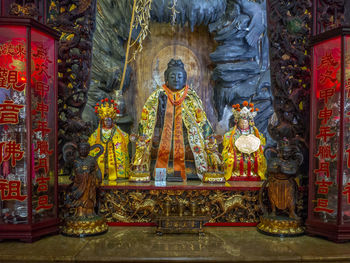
{"x": 233, "y": 203}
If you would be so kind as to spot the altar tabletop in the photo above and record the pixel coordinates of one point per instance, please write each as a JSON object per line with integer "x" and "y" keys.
{"x": 141, "y": 244}
{"x": 163, "y": 185}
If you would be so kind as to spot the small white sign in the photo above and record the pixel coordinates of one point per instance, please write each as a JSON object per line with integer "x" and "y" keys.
{"x": 160, "y": 174}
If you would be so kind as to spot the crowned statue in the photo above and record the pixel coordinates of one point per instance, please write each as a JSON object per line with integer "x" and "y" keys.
{"x": 243, "y": 152}
{"x": 172, "y": 129}
{"x": 114, "y": 163}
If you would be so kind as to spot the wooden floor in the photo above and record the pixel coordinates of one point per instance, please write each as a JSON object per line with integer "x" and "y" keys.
{"x": 141, "y": 244}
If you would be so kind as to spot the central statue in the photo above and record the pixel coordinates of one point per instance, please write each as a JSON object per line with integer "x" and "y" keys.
{"x": 172, "y": 130}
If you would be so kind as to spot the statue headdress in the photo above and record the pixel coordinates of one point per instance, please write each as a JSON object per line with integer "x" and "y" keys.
{"x": 247, "y": 112}
{"x": 106, "y": 109}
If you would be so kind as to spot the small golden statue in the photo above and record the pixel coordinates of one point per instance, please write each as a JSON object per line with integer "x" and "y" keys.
{"x": 140, "y": 163}
{"x": 114, "y": 163}
{"x": 282, "y": 190}
{"x": 82, "y": 195}
{"x": 243, "y": 146}
{"x": 214, "y": 173}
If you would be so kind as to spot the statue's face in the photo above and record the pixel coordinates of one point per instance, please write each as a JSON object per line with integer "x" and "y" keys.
{"x": 243, "y": 124}
{"x": 107, "y": 123}
{"x": 286, "y": 153}
{"x": 84, "y": 150}
{"x": 176, "y": 79}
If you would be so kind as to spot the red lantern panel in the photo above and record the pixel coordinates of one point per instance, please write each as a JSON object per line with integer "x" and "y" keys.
{"x": 13, "y": 141}
{"x": 43, "y": 125}
{"x": 326, "y": 123}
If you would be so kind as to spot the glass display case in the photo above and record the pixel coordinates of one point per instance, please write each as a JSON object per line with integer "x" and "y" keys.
{"x": 329, "y": 170}
{"x": 28, "y": 129}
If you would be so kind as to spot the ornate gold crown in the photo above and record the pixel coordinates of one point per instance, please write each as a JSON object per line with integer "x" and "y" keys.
{"x": 245, "y": 112}
{"x": 106, "y": 109}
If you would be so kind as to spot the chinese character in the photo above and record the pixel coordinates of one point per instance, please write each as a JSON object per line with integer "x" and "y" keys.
{"x": 322, "y": 206}
{"x": 42, "y": 53}
{"x": 43, "y": 163}
{"x": 324, "y": 133}
{"x": 42, "y": 69}
{"x": 328, "y": 61}
{"x": 325, "y": 114}
{"x": 323, "y": 168}
{"x": 41, "y": 88}
{"x": 10, "y": 150}
{"x": 42, "y": 108}
{"x": 326, "y": 94}
{"x": 3, "y": 49}
{"x": 43, "y": 147}
{"x": 42, "y": 127}
{"x": 324, "y": 151}
{"x": 348, "y": 160}
{"x": 328, "y": 74}
{"x": 13, "y": 81}
{"x": 20, "y": 50}
{"x": 9, "y": 112}
{"x": 347, "y": 192}
{"x": 43, "y": 203}
{"x": 42, "y": 183}
{"x": 11, "y": 190}
{"x": 323, "y": 186}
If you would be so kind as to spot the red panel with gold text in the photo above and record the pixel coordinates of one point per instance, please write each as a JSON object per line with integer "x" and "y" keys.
{"x": 13, "y": 143}
{"x": 326, "y": 95}
{"x": 43, "y": 125}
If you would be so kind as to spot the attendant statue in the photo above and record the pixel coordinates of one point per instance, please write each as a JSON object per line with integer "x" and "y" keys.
{"x": 214, "y": 173}
{"x": 140, "y": 161}
{"x": 86, "y": 179}
{"x": 175, "y": 126}
{"x": 214, "y": 156}
{"x": 282, "y": 191}
{"x": 243, "y": 146}
{"x": 283, "y": 165}
{"x": 114, "y": 163}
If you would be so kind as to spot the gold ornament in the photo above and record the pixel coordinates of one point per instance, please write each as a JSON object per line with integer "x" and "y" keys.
{"x": 245, "y": 112}
{"x": 106, "y": 109}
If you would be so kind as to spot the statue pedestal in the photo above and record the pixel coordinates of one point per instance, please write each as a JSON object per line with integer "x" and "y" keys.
{"x": 280, "y": 226}
{"x": 84, "y": 226}
{"x": 140, "y": 177}
{"x": 214, "y": 177}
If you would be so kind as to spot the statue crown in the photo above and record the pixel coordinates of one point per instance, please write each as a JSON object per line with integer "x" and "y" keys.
{"x": 106, "y": 109}
{"x": 247, "y": 112}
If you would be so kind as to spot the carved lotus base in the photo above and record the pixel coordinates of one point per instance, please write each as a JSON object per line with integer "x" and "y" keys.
{"x": 214, "y": 177}
{"x": 280, "y": 226}
{"x": 84, "y": 226}
{"x": 140, "y": 177}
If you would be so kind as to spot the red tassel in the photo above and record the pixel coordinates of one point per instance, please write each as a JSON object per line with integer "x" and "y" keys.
{"x": 249, "y": 166}
{"x": 256, "y": 163}
{"x": 241, "y": 165}
{"x": 234, "y": 160}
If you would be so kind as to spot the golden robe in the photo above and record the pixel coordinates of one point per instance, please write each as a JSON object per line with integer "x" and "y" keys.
{"x": 193, "y": 118}
{"x": 114, "y": 161}
{"x": 239, "y": 164}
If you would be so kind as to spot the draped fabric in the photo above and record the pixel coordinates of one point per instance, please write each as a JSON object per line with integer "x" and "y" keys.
{"x": 114, "y": 161}
{"x": 190, "y": 113}
{"x": 238, "y": 164}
